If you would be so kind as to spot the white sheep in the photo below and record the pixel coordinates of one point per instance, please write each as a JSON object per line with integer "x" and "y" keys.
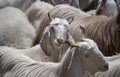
{"x": 36, "y": 15}
{"x": 54, "y": 37}
{"x": 53, "y": 40}
{"x": 15, "y": 64}
{"x": 15, "y": 29}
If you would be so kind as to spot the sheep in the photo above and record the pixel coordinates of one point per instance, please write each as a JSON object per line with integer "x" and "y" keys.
{"x": 53, "y": 39}
{"x": 15, "y": 64}
{"x": 21, "y": 4}
{"x": 76, "y": 64}
{"x": 36, "y": 12}
{"x": 107, "y": 7}
{"x": 15, "y": 29}
{"x": 103, "y": 30}
{"x": 74, "y": 3}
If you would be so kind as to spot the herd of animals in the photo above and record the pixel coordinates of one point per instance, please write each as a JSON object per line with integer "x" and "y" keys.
{"x": 59, "y": 38}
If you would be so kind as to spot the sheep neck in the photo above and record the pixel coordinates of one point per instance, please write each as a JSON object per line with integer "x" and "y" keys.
{"x": 69, "y": 63}
{"x": 76, "y": 69}
{"x": 65, "y": 62}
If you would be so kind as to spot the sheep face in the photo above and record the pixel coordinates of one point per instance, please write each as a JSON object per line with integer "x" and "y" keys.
{"x": 58, "y": 31}
{"x": 107, "y": 8}
{"x": 55, "y": 36}
{"x": 91, "y": 57}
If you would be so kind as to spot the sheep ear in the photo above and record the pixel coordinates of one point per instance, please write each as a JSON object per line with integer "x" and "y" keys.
{"x": 45, "y": 41}
{"x": 50, "y": 16}
{"x": 70, "y": 39}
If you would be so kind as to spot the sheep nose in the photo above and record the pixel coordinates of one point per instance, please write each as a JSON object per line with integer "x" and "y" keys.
{"x": 106, "y": 66}
{"x": 60, "y": 40}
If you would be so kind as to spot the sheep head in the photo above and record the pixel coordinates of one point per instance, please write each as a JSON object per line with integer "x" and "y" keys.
{"x": 59, "y": 32}
{"x": 90, "y": 56}
{"x": 56, "y": 34}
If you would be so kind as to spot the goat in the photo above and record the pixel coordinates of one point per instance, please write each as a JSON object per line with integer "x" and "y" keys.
{"x": 53, "y": 39}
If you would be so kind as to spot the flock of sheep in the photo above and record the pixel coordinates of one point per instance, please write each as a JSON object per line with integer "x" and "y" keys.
{"x": 39, "y": 38}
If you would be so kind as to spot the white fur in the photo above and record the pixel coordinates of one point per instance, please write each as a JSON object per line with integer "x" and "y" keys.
{"x": 15, "y": 29}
